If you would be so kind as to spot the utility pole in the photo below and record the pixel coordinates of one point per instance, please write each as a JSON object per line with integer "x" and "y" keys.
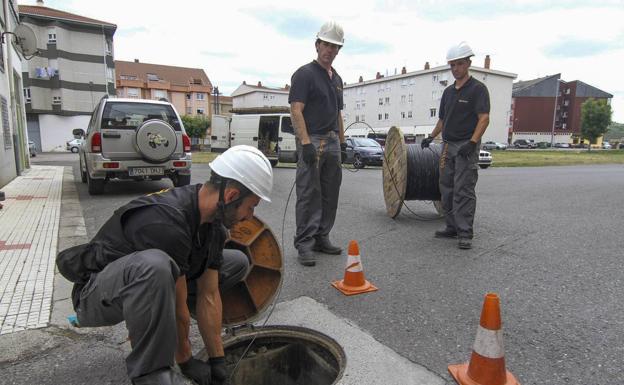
{"x": 216, "y": 100}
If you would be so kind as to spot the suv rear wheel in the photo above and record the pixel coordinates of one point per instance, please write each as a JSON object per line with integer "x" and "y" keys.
{"x": 181, "y": 180}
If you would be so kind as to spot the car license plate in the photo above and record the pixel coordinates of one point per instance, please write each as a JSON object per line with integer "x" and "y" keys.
{"x": 143, "y": 171}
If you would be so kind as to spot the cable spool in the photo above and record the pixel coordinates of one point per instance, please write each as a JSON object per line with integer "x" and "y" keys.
{"x": 409, "y": 173}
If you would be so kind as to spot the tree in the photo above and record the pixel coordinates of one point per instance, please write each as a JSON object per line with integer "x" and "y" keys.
{"x": 195, "y": 126}
{"x": 595, "y": 119}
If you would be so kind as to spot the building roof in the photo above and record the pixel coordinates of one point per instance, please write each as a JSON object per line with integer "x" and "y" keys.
{"x": 584, "y": 90}
{"x": 245, "y": 88}
{"x": 179, "y": 76}
{"x": 37, "y": 10}
{"x": 540, "y": 87}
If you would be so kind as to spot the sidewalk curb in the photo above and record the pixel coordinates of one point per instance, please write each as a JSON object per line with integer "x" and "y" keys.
{"x": 72, "y": 231}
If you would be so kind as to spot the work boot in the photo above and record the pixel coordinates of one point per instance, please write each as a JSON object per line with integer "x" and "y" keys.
{"x": 306, "y": 257}
{"x": 465, "y": 243}
{"x": 164, "y": 376}
{"x": 447, "y": 232}
{"x": 323, "y": 245}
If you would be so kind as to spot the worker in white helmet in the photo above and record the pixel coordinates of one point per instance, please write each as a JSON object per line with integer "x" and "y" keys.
{"x": 315, "y": 108}
{"x": 160, "y": 258}
{"x": 464, "y": 115}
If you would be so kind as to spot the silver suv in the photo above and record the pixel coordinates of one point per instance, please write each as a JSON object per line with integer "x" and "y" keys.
{"x": 134, "y": 139}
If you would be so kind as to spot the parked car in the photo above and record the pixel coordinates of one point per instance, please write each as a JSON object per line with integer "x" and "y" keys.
{"x": 562, "y": 145}
{"x": 362, "y": 152}
{"x": 543, "y": 145}
{"x": 134, "y": 139}
{"x": 32, "y": 148}
{"x": 621, "y": 146}
{"x": 74, "y": 145}
{"x": 485, "y": 159}
{"x": 494, "y": 146}
{"x": 521, "y": 143}
{"x": 606, "y": 145}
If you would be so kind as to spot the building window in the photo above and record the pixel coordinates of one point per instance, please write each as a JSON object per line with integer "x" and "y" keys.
{"x": 27, "y": 94}
{"x": 379, "y": 116}
{"x": 409, "y": 114}
{"x": 387, "y": 101}
{"x": 109, "y": 74}
{"x": 402, "y": 114}
{"x": 363, "y": 103}
{"x": 152, "y": 77}
{"x": 159, "y": 94}
{"x": 566, "y": 102}
{"x": 381, "y": 101}
{"x": 109, "y": 46}
{"x": 188, "y": 96}
{"x": 432, "y": 112}
{"x": 410, "y": 98}
{"x": 200, "y": 96}
{"x": 56, "y": 100}
{"x": 357, "y": 118}
{"x": 200, "y": 111}
{"x": 52, "y": 35}
{"x": 386, "y": 116}
{"x": 564, "y": 125}
{"x": 128, "y": 77}
{"x": 132, "y": 92}
{"x": 435, "y": 78}
{"x": 189, "y": 110}
{"x": 434, "y": 95}
{"x": 567, "y": 91}
{"x": 362, "y": 118}
{"x": 403, "y": 99}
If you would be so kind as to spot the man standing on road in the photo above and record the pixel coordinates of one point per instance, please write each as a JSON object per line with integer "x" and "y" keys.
{"x": 464, "y": 116}
{"x": 315, "y": 108}
{"x": 160, "y": 258}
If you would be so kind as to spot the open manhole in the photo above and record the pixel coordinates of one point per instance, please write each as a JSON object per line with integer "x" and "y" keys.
{"x": 270, "y": 355}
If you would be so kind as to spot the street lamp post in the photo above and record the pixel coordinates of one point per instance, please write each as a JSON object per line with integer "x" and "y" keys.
{"x": 552, "y": 131}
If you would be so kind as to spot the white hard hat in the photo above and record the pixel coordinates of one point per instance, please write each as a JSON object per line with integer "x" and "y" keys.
{"x": 459, "y": 51}
{"x": 247, "y": 165}
{"x": 331, "y": 32}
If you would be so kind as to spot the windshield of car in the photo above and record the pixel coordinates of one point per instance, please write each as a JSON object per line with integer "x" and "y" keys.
{"x": 128, "y": 116}
{"x": 365, "y": 142}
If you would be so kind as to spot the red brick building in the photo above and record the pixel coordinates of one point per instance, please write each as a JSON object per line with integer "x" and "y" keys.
{"x": 534, "y": 115}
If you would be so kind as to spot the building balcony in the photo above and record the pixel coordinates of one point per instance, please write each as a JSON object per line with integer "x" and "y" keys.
{"x": 159, "y": 84}
{"x": 130, "y": 83}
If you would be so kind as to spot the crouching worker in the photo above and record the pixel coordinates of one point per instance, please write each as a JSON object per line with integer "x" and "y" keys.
{"x": 160, "y": 257}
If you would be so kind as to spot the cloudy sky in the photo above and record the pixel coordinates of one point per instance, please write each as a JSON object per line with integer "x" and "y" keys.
{"x": 236, "y": 40}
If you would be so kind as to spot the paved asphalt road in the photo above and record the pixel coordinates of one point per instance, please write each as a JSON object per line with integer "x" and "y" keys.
{"x": 548, "y": 241}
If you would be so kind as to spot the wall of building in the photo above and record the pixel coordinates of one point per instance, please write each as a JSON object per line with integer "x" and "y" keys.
{"x": 412, "y": 101}
{"x": 260, "y": 99}
{"x": 58, "y": 130}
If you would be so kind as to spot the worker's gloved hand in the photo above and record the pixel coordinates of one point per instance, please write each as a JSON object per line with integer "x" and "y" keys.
{"x": 309, "y": 154}
{"x": 196, "y": 370}
{"x": 426, "y": 142}
{"x": 467, "y": 148}
{"x": 343, "y": 152}
{"x": 219, "y": 371}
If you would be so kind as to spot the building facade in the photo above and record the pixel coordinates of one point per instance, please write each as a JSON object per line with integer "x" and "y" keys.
{"x": 14, "y": 139}
{"x": 259, "y": 97}
{"x": 73, "y": 71}
{"x": 188, "y": 89}
{"x": 548, "y": 109}
{"x": 411, "y": 101}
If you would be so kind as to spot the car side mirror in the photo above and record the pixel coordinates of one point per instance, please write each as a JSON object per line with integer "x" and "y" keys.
{"x": 78, "y": 133}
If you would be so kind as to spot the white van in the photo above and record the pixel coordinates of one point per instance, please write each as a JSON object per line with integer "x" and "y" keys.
{"x": 273, "y": 134}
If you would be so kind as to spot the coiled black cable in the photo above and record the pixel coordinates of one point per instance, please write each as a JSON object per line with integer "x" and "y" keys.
{"x": 423, "y": 173}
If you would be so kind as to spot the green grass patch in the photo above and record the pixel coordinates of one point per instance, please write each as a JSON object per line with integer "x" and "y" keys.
{"x": 536, "y": 158}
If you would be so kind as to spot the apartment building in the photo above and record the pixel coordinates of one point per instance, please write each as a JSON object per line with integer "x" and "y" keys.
{"x": 73, "y": 71}
{"x": 14, "y": 139}
{"x": 411, "y": 100}
{"x": 259, "y": 98}
{"x": 549, "y": 109}
{"x": 188, "y": 89}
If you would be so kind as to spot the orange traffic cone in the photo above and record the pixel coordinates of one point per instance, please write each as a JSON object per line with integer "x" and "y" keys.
{"x": 487, "y": 363}
{"x": 354, "y": 281}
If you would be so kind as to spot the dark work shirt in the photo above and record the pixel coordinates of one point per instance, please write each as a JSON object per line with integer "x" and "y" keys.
{"x": 169, "y": 221}
{"x": 321, "y": 95}
{"x": 460, "y": 109}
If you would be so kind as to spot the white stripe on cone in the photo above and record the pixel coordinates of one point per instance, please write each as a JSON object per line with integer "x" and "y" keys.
{"x": 489, "y": 343}
{"x": 354, "y": 264}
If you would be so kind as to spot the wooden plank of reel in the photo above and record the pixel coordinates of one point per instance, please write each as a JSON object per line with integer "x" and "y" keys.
{"x": 394, "y": 171}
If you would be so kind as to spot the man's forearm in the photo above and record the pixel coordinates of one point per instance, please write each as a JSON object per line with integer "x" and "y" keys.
{"x": 484, "y": 121}
{"x": 341, "y": 134}
{"x": 183, "y": 322}
{"x": 301, "y": 131}
{"x": 437, "y": 129}
{"x": 209, "y": 315}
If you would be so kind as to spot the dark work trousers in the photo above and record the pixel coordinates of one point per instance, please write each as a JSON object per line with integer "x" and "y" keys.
{"x": 140, "y": 289}
{"x": 458, "y": 178}
{"x": 318, "y": 188}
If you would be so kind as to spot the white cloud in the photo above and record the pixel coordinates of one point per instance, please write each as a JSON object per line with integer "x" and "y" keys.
{"x": 517, "y": 35}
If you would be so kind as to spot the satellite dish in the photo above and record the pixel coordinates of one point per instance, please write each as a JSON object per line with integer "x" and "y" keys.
{"x": 25, "y": 40}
